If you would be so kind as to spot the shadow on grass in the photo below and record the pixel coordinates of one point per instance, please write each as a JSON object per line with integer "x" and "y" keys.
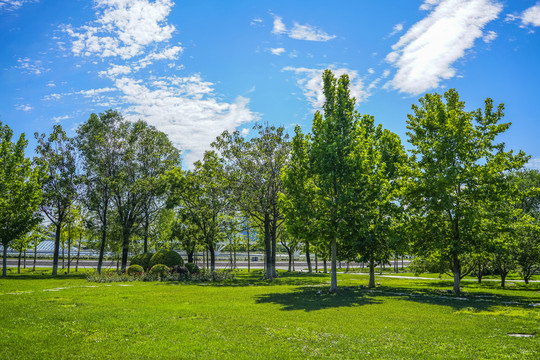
{"x": 318, "y": 298}
{"x": 39, "y": 275}
{"x": 314, "y": 298}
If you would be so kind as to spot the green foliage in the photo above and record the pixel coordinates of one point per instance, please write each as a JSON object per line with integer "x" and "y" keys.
{"x": 143, "y": 260}
{"x": 135, "y": 270}
{"x": 160, "y": 270}
{"x": 20, "y": 190}
{"x": 166, "y": 257}
{"x": 193, "y": 268}
{"x": 458, "y": 187}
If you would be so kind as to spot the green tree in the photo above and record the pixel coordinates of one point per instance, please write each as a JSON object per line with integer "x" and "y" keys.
{"x": 202, "y": 194}
{"x": 20, "y": 190}
{"x": 57, "y": 152}
{"x": 99, "y": 147}
{"x": 459, "y": 179}
{"x": 253, "y": 167}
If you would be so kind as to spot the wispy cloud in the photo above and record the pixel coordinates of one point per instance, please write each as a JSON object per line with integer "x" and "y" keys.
{"x": 28, "y": 66}
{"x": 300, "y": 32}
{"x": 396, "y": 29}
{"x": 311, "y": 83}
{"x": 11, "y": 5}
{"x": 277, "y": 51}
{"x": 489, "y": 36}
{"x": 534, "y": 164}
{"x": 123, "y": 28}
{"x": 57, "y": 119}
{"x": 134, "y": 34}
{"x": 24, "y": 107}
{"x": 424, "y": 55}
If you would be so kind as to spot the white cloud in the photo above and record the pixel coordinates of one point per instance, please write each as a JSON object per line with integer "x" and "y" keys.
{"x": 23, "y": 107}
{"x": 256, "y": 21}
{"x": 371, "y": 71}
{"x": 428, "y": 4}
{"x": 94, "y": 92}
{"x": 277, "y": 51}
{"x": 52, "y": 97}
{"x": 397, "y": 28}
{"x": 33, "y": 67}
{"x": 123, "y": 28}
{"x": 57, "y": 119}
{"x": 115, "y": 70}
{"x": 279, "y": 26}
{"x": 425, "y": 53}
{"x": 534, "y": 164}
{"x": 11, "y": 5}
{"x": 311, "y": 83}
{"x": 531, "y": 16}
{"x": 308, "y": 32}
{"x": 184, "y": 109}
{"x": 51, "y": 84}
{"x": 489, "y": 37}
{"x": 245, "y": 132}
{"x": 300, "y": 32}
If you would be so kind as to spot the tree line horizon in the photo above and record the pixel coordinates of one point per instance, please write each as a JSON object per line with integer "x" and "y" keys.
{"x": 348, "y": 190}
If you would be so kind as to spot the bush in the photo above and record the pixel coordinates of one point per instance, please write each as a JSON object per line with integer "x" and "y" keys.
{"x": 193, "y": 268}
{"x": 142, "y": 260}
{"x": 159, "y": 270}
{"x": 166, "y": 257}
{"x": 135, "y": 270}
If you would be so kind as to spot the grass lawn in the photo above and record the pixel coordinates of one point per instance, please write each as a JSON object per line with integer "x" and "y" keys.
{"x": 67, "y": 317}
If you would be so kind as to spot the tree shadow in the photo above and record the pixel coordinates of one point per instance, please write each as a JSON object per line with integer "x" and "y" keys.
{"x": 317, "y": 298}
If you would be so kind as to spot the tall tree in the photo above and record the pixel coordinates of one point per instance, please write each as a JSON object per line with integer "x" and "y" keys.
{"x": 460, "y": 176}
{"x": 253, "y": 167}
{"x": 20, "y": 190}
{"x": 57, "y": 153}
{"x": 202, "y": 194}
{"x": 99, "y": 146}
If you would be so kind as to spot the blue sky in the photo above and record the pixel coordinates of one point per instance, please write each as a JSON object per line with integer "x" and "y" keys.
{"x": 196, "y": 68}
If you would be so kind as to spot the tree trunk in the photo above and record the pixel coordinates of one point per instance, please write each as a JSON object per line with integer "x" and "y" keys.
{"x": 274, "y": 246}
{"x": 289, "y": 251}
{"x": 480, "y": 273}
{"x": 78, "y": 252}
{"x": 316, "y": 266}
{"x": 56, "y": 248}
{"x": 371, "y": 273}
{"x": 325, "y": 266}
{"x": 456, "y": 269}
{"x": 125, "y": 248}
{"x": 249, "y": 258}
{"x": 69, "y": 254}
{"x": 212, "y": 258}
{"x": 308, "y": 258}
{"x": 63, "y": 256}
{"x": 348, "y": 264}
{"x": 269, "y": 273}
{"x": 4, "y": 261}
{"x": 102, "y": 247}
{"x": 24, "y": 260}
{"x": 333, "y": 275}
{"x": 189, "y": 256}
{"x": 35, "y": 258}
{"x": 19, "y": 263}
{"x": 146, "y": 226}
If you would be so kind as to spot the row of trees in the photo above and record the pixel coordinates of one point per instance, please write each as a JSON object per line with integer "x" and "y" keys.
{"x": 348, "y": 190}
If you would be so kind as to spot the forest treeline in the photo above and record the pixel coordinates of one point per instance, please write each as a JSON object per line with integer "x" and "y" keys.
{"x": 346, "y": 191}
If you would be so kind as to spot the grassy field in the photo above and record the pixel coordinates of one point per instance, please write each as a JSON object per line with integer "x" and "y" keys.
{"x": 67, "y": 317}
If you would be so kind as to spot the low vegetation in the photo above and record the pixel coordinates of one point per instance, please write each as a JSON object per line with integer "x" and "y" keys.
{"x": 293, "y": 316}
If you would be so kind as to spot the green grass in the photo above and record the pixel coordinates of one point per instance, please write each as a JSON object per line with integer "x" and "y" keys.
{"x": 294, "y": 316}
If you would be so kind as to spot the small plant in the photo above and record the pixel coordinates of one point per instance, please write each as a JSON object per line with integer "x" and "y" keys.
{"x": 160, "y": 270}
{"x": 193, "y": 268}
{"x": 135, "y": 270}
{"x": 142, "y": 260}
{"x": 166, "y": 257}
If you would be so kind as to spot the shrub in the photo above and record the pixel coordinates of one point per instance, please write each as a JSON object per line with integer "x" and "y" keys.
{"x": 193, "y": 268}
{"x": 159, "y": 270}
{"x": 166, "y": 257}
{"x": 135, "y": 270}
{"x": 142, "y": 260}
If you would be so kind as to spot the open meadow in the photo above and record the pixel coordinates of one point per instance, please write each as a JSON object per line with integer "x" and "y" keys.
{"x": 293, "y": 316}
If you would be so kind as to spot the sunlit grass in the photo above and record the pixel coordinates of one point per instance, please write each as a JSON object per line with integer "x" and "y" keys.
{"x": 294, "y": 316}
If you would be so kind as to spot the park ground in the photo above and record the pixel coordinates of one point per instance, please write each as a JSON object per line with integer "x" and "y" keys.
{"x": 293, "y": 316}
